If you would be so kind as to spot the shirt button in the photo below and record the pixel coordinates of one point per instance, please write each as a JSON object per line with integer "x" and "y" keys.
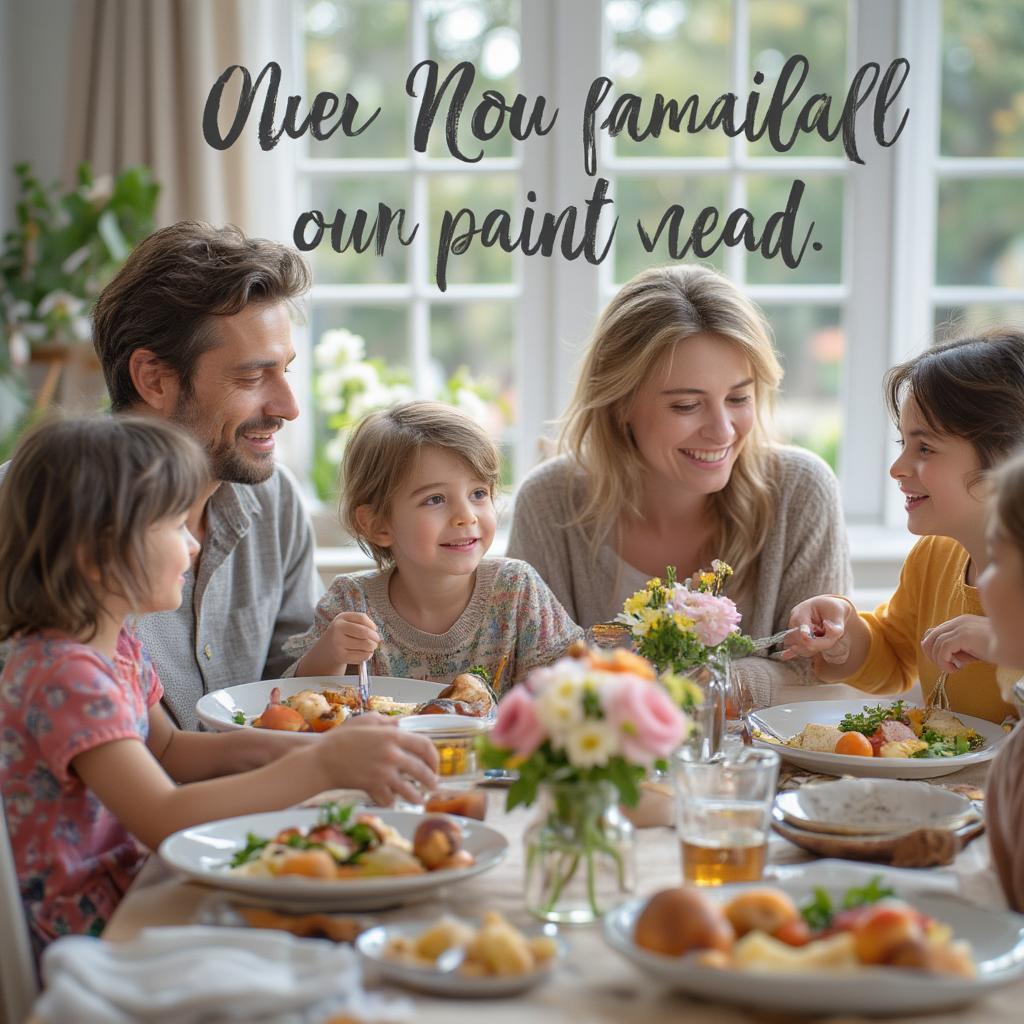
{"x": 208, "y": 651}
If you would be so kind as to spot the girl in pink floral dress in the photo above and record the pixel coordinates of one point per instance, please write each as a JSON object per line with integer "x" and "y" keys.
{"x": 94, "y": 532}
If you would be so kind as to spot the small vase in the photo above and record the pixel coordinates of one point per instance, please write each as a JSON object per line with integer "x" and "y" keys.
{"x": 580, "y": 855}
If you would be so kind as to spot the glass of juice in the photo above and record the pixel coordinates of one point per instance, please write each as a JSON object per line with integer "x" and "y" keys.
{"x": 723, "y": 814}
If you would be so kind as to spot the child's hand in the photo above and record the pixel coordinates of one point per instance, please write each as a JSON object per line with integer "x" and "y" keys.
{"x": 370, "y": 752}
{"x": 350, "y": 638}
{"x": 956, "y": 643}
{"x": 822, "y": 630}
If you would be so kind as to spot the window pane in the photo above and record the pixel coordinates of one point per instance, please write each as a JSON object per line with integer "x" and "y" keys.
{"x": 473, "y": 356}
{"x": 678, "y": 49}
{"x": 485, "y": 33}
{"x": 479, "y": 193}
{"x": 822, "y": 202}
{"x": 647, "y": 199}
{"x": 361, "y": 366}
{"x": 347, "y": 196}
{"x": 982, "y": 78}
{"x": 354, "y": 46}
{"x": 810, "y": 342}
{"x": 954, "y": 321}
{"x": 981, "y": 233}
{"x": 817, "y": 29}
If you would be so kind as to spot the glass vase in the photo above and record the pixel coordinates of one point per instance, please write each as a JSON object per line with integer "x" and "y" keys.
{"x": 580, "y": 853}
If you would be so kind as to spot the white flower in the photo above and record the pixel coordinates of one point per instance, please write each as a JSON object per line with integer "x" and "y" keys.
{"x": 19, "y": 348}
{"x": 472, "y": 405}
{"x": 559, "y": 705}
{"x": 61, "y": 302}
{"x": 337, "y": 347}
{"x": 360, "y": 373}
{"x": 75, "y": 260}
{"x": 99, "y": 191}
{"x": 591, "y": 743}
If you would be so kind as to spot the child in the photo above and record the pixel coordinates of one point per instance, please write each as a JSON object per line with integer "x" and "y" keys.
{"x": 1001, "y": 588}
{"x": 93, "y": 515}
{"x": 959, "y": 408}
{"x": 419, "y": 483}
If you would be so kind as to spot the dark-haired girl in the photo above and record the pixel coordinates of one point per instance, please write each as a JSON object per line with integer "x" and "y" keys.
{"x": 959, "y": 408}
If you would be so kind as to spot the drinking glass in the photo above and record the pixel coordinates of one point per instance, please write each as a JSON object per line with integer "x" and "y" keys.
{"x": 723, "y": 814}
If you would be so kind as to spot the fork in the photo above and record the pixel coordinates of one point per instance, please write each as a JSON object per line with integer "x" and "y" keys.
{"x": 364, "y": 687}
{"x": 764, "y": 642}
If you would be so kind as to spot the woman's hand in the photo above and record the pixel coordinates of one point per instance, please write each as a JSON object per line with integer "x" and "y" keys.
{"x": 821, "y": 630}
{"x": 350, "y": 639}
{"x": 956, "y": 643}
{"x": 370, "y": 752}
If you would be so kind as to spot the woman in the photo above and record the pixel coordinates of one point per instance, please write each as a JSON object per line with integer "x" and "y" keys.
{"x": 666, "y": 460}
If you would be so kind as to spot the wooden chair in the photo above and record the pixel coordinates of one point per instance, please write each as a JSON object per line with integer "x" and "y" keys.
{"x": 18, "y": 985}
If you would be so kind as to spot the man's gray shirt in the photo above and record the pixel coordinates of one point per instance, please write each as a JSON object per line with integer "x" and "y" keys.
{"x": 254, "y": 589}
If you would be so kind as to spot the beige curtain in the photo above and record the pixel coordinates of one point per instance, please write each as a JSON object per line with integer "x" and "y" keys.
{"x": 141, "y": 72}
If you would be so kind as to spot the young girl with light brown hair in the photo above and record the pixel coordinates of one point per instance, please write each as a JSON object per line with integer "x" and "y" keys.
{"x": 667, "y": 459}
{"x": 94, "y": 534}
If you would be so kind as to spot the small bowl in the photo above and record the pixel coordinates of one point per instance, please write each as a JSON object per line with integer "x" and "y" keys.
{"x": 454, "y": 737}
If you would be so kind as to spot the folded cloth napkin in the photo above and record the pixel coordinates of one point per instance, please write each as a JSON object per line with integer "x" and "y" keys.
{"x": 206, "y": 974}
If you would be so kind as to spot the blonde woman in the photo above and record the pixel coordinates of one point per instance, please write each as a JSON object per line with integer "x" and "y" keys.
{"x": 666, "y": 459}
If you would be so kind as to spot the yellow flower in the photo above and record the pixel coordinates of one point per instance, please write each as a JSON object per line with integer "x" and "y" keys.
{"x": 683, "y": 622}
{"x": 654, "y": 584}
{"x": 707, "y": 578}
{"x": 639, "y": 600}
{"x": 648, "y": 617}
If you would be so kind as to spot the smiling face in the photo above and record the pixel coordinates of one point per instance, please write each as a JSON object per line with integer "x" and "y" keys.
{"x": 442, "y": 519}
{"x": 168, "y": 551}
{"x": 690, "y": 418}
{"x": 934, "y": 472}
{"x": 1001, "y": 589}
{"x": 239, "y": 397}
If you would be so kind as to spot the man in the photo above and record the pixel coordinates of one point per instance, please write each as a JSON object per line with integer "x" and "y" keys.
{"x": 195, "y": 328}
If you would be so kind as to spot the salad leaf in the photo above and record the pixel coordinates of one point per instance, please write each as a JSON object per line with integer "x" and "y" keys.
{"x": 253, "y": 845}
{"x": 820, "y": 911}
{"x": 481, "y": 671}
{"x": 871, "y": 718}
{"x": 943, "y": 746}
{"x": 238, "y": 718}
{"x": 335, "y": 814}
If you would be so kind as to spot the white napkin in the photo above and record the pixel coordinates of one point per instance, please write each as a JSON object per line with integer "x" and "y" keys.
{"x": 205, "y": 974}
{"x": 833, "y": 873}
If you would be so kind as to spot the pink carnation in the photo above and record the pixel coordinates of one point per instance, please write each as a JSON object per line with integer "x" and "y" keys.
{"x": 648, "y": 724}
{"x": 518, "y": 727}
{"x": 714, "y": 618}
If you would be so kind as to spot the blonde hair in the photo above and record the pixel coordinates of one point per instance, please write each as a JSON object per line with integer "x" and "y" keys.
{"x": 381, "y": 453}
{"x": 88, "y": 488}
{"x": 634, "y": 338}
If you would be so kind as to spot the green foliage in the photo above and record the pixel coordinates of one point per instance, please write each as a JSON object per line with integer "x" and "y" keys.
{"x": 870, "y": 719}
{"x": 820, "y": 911}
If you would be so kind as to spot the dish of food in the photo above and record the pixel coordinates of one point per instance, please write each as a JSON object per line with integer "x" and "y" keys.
{"x": 295, "y": 858}
{"x": 814, "y": 731}
{"x": 236, "y": 707}
{"x": 862, "y": 807}
{"x": 856, "y": 951}
{"x": 456, "y": 957}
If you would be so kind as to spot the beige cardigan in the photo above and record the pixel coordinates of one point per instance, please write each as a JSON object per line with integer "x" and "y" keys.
{"x": 806, "y": 553}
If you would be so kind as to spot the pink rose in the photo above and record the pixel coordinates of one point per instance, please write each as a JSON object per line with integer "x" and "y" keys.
{"x": 648, "y": 724}
{"x": 714, "y": 618}
{"x": 518, "y": 728}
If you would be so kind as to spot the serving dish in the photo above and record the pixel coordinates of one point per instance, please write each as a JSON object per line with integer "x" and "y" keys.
{"x": 788, "y": 720}
{"x": 204, "y": 853}
{"x": 218, "y": 710}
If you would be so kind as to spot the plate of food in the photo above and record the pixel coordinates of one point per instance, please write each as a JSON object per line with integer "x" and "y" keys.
{"x": 862, "y": 807}
{"x": 455, "y": 957}
{"x": 334, "y": 857}
{"x": 796, "y": 948}
{"x": 891, "y": 739}
{"x": 318, "y": 703}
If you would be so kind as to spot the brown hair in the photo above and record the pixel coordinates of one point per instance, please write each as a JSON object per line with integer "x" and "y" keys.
{"x": 87, "y": 487}
{"x": 634, "y": 338}
{"x": 971, "y": 388}
{"x": 169, "y": 292}
{"x": 383, "y": 448}
{"x": 1008, "y": 502}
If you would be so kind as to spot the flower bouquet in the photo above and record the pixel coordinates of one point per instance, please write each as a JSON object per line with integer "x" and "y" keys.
{"x": 693, "y": 630}
{"x": 582, "y": 734}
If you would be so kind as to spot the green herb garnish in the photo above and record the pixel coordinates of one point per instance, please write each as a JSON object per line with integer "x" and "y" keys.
{"x": 481, "y": 671}
{"x": 253, "y": 845}
{"x": 820, "y": 912}
{"x": 238, "y": 718}
{"x": 335, "y": 814}
{"x": 871, "y": 718}
{"x": 944, "y": 746}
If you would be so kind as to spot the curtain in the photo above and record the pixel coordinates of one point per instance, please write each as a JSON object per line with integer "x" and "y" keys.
{"x": 141, "y": 72}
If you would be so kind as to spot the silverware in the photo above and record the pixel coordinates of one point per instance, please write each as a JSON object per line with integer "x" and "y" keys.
{"x": 754, "y": 719}
{"x": 765, "y": 642}
{"x": 364, "y": 687}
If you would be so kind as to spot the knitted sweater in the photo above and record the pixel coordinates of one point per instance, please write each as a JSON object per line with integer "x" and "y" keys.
{"x": 805, "y": 554}
{"x": 511, "y": 615}
{"x": 1004, "y": 817}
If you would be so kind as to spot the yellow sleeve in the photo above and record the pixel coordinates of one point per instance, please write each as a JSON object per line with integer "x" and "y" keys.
{"x": 895, "y": 627}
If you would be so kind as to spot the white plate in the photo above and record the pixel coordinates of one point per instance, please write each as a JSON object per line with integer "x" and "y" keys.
{"x": 996, "y": 938}
{"x": 865, "y": 807}
{"x": 204, "y": 853}
{"x": 789, "y": 719}
{"x": 217, "y": 710}
{"x": 372, "y": 943}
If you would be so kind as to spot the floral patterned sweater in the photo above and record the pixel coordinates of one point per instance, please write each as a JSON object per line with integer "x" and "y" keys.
{"x": 511, "y": 616}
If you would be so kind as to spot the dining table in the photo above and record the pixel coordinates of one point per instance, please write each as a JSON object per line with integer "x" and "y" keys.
{"x": 591, "y": 982}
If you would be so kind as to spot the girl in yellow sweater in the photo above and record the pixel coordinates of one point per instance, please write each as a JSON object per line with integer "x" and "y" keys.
{"x": 959, "y": 408}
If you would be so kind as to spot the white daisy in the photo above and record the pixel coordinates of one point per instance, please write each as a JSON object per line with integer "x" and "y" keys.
{"x": 591, "y": 743}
